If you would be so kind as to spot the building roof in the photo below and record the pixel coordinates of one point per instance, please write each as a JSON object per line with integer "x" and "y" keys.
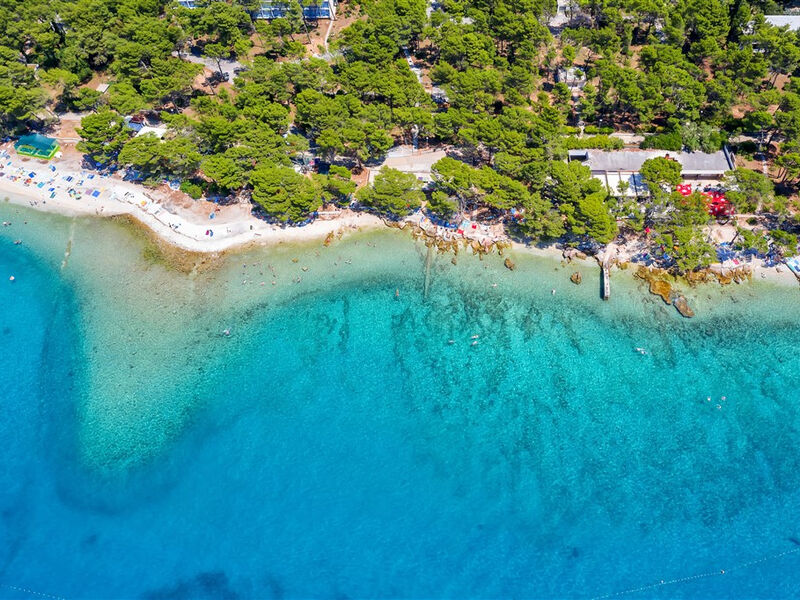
{"x": 37, "y": 146}
{"x": 37, "y": 141}
{"x": 793, "y": 21}
{"x": 631, "y": 160}
{"x": 156, "y": 131}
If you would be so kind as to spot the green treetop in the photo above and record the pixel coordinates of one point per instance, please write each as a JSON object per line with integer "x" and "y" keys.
{"x": 103, "y": 135}
{"x": 393, "y": 192}
{"x": 659, "y": 173}
{"x": 285, "y": 194}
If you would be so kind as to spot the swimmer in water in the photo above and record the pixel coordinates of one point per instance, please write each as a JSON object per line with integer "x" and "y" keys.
{"x": 553, "y": 292}
{"x": 226, "y": 332}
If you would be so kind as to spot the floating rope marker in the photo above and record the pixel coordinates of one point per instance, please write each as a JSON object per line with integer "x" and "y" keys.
{"x": 663, "y": 582}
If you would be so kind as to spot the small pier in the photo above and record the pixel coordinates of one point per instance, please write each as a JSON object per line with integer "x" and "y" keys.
{"x": 606, "y": 281}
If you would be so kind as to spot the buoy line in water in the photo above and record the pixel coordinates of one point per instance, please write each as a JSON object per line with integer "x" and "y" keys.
{"x": 719, "y": 573}
{"x": 32, "y": 592}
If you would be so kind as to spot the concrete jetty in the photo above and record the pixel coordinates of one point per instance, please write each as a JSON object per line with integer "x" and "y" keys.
{"x": 606, "y": 282}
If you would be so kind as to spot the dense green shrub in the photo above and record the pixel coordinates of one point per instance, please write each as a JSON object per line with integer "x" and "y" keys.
{"x": 663, "y": 141}
{"x": 599, "y": 142}
{"x": 595, "y": 130}
{"x": 191, "y": 188}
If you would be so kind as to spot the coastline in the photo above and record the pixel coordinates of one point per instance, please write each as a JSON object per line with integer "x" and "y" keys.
{"x": 779, "y": 275}
{"x": 69, "y": 192}
{"x": 60, "y": 188}
{"x": 158, "y": 391}
{"x": 188, "y": 235}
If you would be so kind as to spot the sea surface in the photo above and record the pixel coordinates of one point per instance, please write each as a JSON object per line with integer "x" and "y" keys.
{"x": 373, "y": 427}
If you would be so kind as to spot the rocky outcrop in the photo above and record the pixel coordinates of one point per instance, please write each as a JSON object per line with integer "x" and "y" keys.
{"x": 682, "y": 306}
{"x": 571, "y": 254}
{"x": 695, "y": 277}
{"x": 737, "y": 275}
{"x": 661, "y": 288}
{"x": 576, "y": 278}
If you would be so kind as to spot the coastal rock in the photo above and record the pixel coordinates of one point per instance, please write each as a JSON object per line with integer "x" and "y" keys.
{"x": 742, "y": 274}
{"x": 683, "y": 306}
{"x": 649, "y": 274}
{"x": 724, "y": 279}
{"x": 661, "y": 288}
{"x": 571, "y": 254}
{"x": 510, "y": 265}
{"x": 695, "y": 277}
{"x": 576, "y": 278}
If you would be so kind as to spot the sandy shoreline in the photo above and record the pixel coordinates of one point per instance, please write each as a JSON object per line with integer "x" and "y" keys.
{"x": 59, "y": 188}
{"x": 80, "y": 193}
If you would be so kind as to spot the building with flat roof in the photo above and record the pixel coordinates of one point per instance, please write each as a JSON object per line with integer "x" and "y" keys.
{"x": 618, "y": 166}
{"x": 793, "y": 21}
{"x": 312, "y": 9}
{"x": 273, "y": 9}
{"x": 573, "y": 77}
{"x": 37, "y": 146}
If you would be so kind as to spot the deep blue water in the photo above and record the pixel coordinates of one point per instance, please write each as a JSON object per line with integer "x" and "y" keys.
{"x": 340, "y": 446}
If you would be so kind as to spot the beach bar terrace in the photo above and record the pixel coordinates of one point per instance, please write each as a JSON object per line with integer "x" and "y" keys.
{"x": 36, "y": 146}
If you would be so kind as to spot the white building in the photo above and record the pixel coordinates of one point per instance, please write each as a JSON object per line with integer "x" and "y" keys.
{"x": 573, "y": 77}
{"x": 698, "y": 168}
{"x": 272, "y": 9}
{"x": 793, "y": 21}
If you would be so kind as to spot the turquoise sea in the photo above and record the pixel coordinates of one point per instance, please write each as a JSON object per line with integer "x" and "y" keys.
{"x": 337, "y": 444}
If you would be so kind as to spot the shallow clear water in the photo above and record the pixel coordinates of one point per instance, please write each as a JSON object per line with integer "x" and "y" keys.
{"x": 336, "y": 444}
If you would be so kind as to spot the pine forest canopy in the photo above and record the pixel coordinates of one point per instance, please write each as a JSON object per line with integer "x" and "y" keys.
{"x": 689, "y": 74}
